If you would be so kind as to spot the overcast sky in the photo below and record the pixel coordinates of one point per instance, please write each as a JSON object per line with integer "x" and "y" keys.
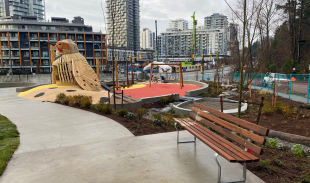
{"x": 150, "y": 10}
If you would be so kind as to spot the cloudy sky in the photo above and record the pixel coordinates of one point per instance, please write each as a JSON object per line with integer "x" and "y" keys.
{"x": 150, "y": 10}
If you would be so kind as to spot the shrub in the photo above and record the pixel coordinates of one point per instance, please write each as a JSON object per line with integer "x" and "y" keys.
{"x": 278, "y": 162}
{"x": 287, "y": 111}
{"x": 132, "y": 116}
{"x": 71, "y": 101}
{"x": 163, "y": 100}
{"x": 280, "y": 106}
{"x": 268, "y": 109}
{"x": 60, "y": 96}
{"x": 157, "y": 119}
{"x": 172, "y": 98}
{"x": 98, "y": 106}
{"x": 297, "y": 150}
{"x": 106, "y": 109}
{"x": 272, "y": 143}
{"x": 77, "y": 98}
{"x": 122, "y": 113}
{"x": 86, "y": 101}
{"x": 265, "y": 164}
{"x": 205, "y": 94}
{"x": 141, "y": 112}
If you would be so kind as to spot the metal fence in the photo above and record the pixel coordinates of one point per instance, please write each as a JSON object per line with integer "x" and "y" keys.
{"x": 291, "y": 86}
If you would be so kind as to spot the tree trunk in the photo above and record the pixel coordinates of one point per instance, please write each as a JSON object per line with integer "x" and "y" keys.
{"x": 242, "y": 59}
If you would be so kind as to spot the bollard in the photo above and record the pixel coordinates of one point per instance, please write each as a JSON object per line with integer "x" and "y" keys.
{"x": 308, "y": 89}
{"x": 289, "y": 96}
{"x": 221, "y": 101}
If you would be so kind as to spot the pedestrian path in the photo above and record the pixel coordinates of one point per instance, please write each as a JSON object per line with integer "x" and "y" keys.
{"x": 63, "y": 144}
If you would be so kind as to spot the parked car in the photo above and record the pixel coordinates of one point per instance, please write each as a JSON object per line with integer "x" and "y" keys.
{"x": 270, "y": 78}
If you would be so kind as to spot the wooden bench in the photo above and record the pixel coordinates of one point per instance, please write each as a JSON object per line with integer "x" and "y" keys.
{"x": 224, "y": 124}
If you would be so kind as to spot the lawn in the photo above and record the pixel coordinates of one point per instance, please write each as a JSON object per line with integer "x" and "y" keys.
{"x": 9, "y": 141}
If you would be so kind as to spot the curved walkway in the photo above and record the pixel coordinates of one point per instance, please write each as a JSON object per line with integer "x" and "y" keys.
{"x": 63, "y": 144}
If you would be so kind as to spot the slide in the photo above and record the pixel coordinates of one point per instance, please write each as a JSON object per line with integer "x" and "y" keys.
{"x": 106, "y": 87}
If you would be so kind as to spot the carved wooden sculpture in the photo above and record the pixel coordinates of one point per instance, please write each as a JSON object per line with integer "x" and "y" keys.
{"x": 71, "y": 68}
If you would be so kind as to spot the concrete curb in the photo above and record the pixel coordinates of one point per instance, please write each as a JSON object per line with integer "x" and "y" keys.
{"x": 196, "y": 92}
{"x": 180, "y": 110}
{"x": 147, "y": 100}
{"x": 13, "y": 84}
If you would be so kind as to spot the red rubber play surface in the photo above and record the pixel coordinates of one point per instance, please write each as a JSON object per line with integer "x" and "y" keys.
{"x": 159, "y": 89}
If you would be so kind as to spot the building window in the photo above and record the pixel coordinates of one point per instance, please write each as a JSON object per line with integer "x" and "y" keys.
{"x": 45, "y": 53}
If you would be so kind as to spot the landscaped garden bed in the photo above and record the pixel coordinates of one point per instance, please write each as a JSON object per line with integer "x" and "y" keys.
{"x": 133, "y": 121}
{"x": 287, "y": 116}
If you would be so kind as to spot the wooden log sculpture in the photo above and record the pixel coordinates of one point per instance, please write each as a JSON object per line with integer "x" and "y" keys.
{"x": 71, "y": 68}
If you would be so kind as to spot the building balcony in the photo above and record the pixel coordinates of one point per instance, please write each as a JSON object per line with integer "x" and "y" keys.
{"x": 4, "y": 38}
{"x": 4, "y": 47}
{"x": 13, "y": 38}
{"x": 15, "y": 57}
{"x": 34, "y": 48}
{"x": 43, "y": 38}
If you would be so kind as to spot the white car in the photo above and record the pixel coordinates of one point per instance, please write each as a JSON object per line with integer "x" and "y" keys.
{"x": 269, "y": 78}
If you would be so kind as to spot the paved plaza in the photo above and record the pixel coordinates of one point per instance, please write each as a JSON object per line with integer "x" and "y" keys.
{"x": 63, "y": 144}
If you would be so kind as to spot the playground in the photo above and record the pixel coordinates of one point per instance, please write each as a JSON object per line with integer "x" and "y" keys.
{"x": 158, "y": 89}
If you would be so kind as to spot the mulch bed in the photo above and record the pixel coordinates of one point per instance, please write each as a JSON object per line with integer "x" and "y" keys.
{"x": 278, "y": 121}
{"x": 296, "y": 169}
{"x": 137, "y": 127}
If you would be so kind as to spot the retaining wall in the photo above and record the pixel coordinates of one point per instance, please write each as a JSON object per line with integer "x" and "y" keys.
{"x": 179, "y": 110}
{"x": 196, "y": 92}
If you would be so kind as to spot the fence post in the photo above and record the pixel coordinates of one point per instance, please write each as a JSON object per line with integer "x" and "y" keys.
{"x": 278, "y": 84}
{"x": 308, "y": 88}
{"x": 261, "y": 81}
{"x": 289, "y": 95}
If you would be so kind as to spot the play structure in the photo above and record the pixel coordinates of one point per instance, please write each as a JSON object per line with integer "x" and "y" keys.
{"x": 165, "y": 66}
{"x": 71, "y": 68}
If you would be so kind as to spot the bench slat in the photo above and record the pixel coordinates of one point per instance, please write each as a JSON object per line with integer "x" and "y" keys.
{"x": 228, "y": 134}
{"x": 211, "y": 145}
{"x": 220, "y": 140}
{"x": 256, "y": 128}
{"x": 230, "y": 126}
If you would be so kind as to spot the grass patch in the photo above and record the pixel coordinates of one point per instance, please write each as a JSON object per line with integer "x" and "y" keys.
{"x": 9, "y": 141}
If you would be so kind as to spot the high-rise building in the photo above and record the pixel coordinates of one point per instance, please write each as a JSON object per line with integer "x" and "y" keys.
{"x": 178, "y": 24}
{"x": 24, "y": 42}
{"x": 126, "y": 18}
{"x": 208, "y": 42}
{"x": 216, "y": 21}
{"x": 19, "y": 8}
{"x": 146, "y": 39}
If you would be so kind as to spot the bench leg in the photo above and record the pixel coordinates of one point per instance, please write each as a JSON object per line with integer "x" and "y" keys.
{"x": 175, "y": 125}
{"x": 219, "y": 172}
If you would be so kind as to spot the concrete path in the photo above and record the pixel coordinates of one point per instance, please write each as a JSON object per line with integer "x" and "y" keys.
{"x": 63, "y": 144}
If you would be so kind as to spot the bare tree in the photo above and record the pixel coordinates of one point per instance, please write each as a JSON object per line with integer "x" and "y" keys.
{"x": 247, "y": 13}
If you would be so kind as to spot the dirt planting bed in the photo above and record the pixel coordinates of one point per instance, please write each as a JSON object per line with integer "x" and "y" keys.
{"x": 287, "y": 116}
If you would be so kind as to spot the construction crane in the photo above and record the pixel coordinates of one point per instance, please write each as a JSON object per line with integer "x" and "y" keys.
{"x": 193, "y": 40}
